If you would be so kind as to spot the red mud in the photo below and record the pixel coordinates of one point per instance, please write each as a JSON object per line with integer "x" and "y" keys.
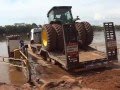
{"x": 106, "y": 80}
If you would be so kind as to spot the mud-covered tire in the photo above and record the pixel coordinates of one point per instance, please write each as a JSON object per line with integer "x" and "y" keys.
{"x": 51, "y": 37}
{"x": 60, "y": 40}
{"x": 81, "y": 33}
{"x": 89, "y": 33}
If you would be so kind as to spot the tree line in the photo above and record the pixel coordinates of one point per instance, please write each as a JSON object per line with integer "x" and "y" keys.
{"x": 12, "y": 29}
{"x": 100, "y": 28}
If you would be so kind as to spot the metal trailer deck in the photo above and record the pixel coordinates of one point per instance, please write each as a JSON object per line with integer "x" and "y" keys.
{"x": 87, "y": 58}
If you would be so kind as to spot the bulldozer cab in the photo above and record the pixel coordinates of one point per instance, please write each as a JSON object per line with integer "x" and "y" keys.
{"x": 60, "y": 14}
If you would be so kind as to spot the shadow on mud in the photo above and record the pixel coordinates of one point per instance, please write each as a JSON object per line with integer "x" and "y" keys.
{"x": 94, "y": 71}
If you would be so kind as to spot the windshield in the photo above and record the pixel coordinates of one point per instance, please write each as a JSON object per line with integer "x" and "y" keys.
{"x": 63, "y": 15}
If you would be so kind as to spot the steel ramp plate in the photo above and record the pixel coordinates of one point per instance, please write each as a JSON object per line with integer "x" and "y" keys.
{"x": 110, "y": 40}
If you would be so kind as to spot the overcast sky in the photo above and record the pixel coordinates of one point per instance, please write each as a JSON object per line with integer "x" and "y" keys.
{"x": 29, "y": 11}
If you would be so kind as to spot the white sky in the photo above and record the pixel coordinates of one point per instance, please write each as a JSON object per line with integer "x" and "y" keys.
{"x": 35, "y": 11}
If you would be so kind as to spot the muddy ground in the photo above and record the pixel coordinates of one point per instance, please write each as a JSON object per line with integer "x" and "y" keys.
{"x": 52, "y": 77}
{"x": 59, "y": 79}
{"x": 105, "y": 80}
{"x": 100, "y": 79}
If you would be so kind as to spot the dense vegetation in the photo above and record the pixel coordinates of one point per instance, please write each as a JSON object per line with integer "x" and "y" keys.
{"x": 12, "y": 29}
{"x": 100, "y": 28}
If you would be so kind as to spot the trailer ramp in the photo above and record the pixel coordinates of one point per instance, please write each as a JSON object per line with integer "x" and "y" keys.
{"x": 110, "y": 40}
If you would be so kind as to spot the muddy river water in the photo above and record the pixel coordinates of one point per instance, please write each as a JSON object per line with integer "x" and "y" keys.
{"x": 9, "y": 74}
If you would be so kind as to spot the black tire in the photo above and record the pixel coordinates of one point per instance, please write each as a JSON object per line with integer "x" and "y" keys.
{"x": 81, "y": 33}
{"x": 51, "y": 37}
{"x": 89, "y": 33}
{"x": 60, "y": 40}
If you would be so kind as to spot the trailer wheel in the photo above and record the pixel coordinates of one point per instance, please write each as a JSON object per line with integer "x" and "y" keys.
{"x": 81, "y": 33}
{"x": 48, "y": 37}
{"x": 60, "y": 40}
{"x": 89, "y": 33}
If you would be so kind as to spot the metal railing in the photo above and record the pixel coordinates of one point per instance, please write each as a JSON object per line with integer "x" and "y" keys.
{"x": 7, "y": 61}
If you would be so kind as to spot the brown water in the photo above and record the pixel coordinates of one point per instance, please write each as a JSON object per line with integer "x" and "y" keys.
{"x": 9, "y": 74}
{"x": 99, "y": 41}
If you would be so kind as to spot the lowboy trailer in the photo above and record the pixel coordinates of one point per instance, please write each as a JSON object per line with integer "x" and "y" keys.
{"x": 74, "y": 58}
